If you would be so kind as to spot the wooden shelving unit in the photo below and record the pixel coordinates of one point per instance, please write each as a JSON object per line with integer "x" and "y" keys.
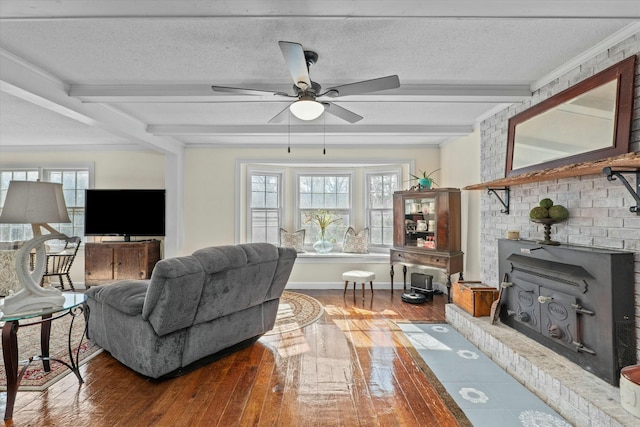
{"x": 625, "y": 161}
{"x": 439, "y": 245}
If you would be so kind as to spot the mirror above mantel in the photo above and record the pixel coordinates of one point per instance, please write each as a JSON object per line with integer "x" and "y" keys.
{"x": 588, "y": 121}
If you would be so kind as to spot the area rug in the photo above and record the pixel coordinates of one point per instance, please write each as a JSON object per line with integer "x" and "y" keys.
{"x": 296, "y": 311}
{"x": 35, "y": 378}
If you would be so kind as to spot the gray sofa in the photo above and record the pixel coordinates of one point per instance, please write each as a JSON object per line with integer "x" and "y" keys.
{"x": 193, "y": 310}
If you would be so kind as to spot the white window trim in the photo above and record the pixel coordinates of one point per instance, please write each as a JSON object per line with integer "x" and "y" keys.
{"x": 262, "y": 170}
{"x": 365, "y": 202}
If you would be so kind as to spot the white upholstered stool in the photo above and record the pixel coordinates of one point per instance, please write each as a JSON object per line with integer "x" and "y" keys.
{"x": 356, "y": 276}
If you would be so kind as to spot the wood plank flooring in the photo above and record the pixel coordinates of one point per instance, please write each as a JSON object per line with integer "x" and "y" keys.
{"x": 351, "y": 368}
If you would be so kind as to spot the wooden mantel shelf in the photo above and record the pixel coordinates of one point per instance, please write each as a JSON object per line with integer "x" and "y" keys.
{"x": 625, "y": 161}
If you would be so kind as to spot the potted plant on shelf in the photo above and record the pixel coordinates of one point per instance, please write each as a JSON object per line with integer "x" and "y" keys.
{"x": 425, "y": 179}
{"x": 322, "y": 219}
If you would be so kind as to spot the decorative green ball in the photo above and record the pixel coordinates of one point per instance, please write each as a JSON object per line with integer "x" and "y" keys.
{"x": 539, "y": 212}
{"x": 558, "y": 212}
{"x": 546, "y": 203}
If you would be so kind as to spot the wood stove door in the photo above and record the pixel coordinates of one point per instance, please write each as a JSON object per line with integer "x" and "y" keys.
{"x": 558, "y": 317}
{"x": 522, "y": 300}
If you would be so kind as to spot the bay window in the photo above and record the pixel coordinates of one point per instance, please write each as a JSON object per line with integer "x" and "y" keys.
{"x": 284, "y": 195}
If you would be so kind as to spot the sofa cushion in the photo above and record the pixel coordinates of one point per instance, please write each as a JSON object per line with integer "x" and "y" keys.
{"x": 239, "y": 287}
{"x": 174, "y": 291}
{"x": 260, "y": 252}
{"x": 220, "y": 258}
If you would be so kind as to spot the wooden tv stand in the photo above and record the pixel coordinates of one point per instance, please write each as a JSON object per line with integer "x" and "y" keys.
{"x": 107, "y": 262}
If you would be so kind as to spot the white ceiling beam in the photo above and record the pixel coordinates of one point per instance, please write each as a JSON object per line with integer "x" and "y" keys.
{"x": 65, "y": 9}
{"x": 23, "y": 80}
{"x": 189, "y": 93}
{"x": 409, "y": 130}
{"x": 296, "y": 140}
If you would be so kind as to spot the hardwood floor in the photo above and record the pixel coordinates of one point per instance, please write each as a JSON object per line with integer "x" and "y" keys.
{"x": 350, "y": 368}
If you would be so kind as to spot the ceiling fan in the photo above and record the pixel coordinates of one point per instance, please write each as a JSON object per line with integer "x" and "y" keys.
{"x": 307, "y": 92}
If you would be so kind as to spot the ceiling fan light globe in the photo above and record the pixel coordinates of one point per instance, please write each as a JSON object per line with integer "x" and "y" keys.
{"x": 306, "y": 109}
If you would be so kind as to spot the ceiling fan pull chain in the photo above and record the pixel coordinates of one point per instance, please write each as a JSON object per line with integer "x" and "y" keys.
{"x": 324, "y": 134}
{"x": 289, "y": 133}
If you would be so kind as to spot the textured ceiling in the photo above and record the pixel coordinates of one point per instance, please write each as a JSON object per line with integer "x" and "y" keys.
{"x": 121, "y": 77}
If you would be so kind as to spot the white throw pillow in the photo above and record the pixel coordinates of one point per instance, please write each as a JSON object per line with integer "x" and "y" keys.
{"x": 356, "y": 243}
{"x": 293, "y": 240}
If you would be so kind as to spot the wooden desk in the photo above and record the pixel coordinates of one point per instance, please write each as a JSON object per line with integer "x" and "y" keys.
{"x": 449, "y": 262}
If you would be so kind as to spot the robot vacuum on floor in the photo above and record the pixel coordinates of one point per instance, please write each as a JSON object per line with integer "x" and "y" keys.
{"x": 413, "y": 298}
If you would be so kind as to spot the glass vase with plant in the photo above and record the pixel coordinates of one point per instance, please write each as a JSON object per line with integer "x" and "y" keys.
{"x": 424, "y": 179}
{"x": 322, "y": 219}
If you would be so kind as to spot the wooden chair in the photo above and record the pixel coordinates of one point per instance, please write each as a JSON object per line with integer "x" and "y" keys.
{"x": 59, "y": 264}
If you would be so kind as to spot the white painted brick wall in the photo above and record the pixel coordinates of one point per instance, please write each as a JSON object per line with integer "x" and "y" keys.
{"x": 598, "y": 209}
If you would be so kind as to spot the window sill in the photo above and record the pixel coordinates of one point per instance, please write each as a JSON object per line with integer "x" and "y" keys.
{"x": 311, "y": 257}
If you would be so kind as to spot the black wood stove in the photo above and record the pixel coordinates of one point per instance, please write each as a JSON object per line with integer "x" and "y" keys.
{"x": 577, "y": 301}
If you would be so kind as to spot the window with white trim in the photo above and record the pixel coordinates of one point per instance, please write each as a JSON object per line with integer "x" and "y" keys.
{"x": 328, "y": 192}
{"x": 74, "y": 183}
{"x": 379, "y": 205}
{"x": 265, "y": 207}
{"x": 361, "y": 196}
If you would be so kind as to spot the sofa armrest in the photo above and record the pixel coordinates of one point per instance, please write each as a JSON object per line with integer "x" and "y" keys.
{"x": 126, "y": 296}
{"x": 286, "y": 260}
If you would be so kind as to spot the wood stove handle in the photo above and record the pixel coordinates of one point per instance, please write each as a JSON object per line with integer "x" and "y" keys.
{"x": 580, "y": 309}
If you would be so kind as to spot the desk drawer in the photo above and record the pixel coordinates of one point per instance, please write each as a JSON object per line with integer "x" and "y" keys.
{"x": 433, "y": 260}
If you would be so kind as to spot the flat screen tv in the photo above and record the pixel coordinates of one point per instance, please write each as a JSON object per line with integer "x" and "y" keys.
{"x": 124, "y": 213}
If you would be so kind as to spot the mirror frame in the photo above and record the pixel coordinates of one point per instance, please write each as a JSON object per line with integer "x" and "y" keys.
{"x": 624, "y": 71}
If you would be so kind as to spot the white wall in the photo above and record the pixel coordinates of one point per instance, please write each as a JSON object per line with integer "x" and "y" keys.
{"x": 459, "y": 171}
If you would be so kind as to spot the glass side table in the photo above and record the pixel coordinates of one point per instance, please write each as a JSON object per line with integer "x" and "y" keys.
{"x": 72, "y": 306}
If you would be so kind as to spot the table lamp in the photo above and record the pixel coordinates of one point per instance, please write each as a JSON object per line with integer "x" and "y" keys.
{"x": 35, "y": 203}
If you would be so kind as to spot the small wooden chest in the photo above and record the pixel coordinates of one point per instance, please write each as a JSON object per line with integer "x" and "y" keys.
{"x": 474, "y": 297}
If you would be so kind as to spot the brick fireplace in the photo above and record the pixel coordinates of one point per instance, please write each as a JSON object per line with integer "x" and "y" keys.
{"x": 599, "y": 217}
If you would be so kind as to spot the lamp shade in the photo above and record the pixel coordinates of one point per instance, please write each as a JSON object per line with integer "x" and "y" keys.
{"x": 306, "y": 108}
{"x": 34, "y": 202}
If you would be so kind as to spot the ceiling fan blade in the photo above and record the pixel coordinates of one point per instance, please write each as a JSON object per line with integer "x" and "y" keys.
{"x": 278, "y": 118}
{"x": 366, "y": 86}
{"x": 342, "y": 113}
{"x": 244, "y": 91}
{"x": 294, "y": 56}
